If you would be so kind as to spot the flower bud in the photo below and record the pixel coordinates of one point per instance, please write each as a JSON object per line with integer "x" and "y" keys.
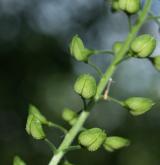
{"x": 117, "y": 46}
{"x": 69, "y": 116}
{"x": 156, "y": 62}
{"x": 18, "y": 161}
{"x": 85, "y": 86}
{"x": 34, "y": 127}
{"x": 92, "y": 139}
{"x": 143, "y": 46}
{"x": 114, "y": 142}
{"x": 78, "y": 50}
{"x": 138, "y": 105}
{"x": 129, "y": 6}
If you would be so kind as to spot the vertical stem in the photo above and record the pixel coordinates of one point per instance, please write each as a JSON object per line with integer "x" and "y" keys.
{"x": 119, "y": 56}
{"x": 70, "y": 136}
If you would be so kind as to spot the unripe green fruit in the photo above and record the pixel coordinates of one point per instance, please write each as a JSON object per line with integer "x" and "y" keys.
{"x": 35, "y": 112}
{"x": 138, "y": 105}
{"x": 69, "y": 116}
{"x": 156, "y": 62}
{"x": 85, "y": 86}
{"x": 117, "y": 46}
{"x": 114, "y": 142}
{"x": 129, "y": 6}
{"x": 18, "y": 161}
{"x": 34, "y": 127}
{"x": 92, "y": 139}
{"x": 143, "y": 46}
{"x": 78, "y": 50}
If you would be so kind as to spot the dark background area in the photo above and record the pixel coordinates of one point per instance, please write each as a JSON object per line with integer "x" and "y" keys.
{"x": 36, "y": 67}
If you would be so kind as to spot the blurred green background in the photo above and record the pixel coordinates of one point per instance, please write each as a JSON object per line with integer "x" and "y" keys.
{"x": 36, "y": 67}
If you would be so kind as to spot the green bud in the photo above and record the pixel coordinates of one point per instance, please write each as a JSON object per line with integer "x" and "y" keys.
{"x": 143, "y": 45}
{"x": 129, "y": 6}
{"x": 156, "y": 62}
{"x": 35, "y": 112}
{"x": 85, "y": 86}
{"x": 18, "y": 161}
{"x": 138, "y": 105}
{"x": 117, "y": 46}
{"x": 69, "y": 116}
{"x": 115, "y": 5}
{"x": 34, "y": 127}
{"x": 92, "y": 139}
{"x": 78, "y": 50}
{"x": 114, "y": 142}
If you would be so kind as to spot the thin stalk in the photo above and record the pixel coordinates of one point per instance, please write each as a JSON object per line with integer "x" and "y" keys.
{"x": 50, "y": 124}
{"x": 96, "y": 52}
{"x": 51, "y": 145}
{"x": 72, "y": 148}
{"x": 155, "y": 18}
{"x": 95, "y": 67}
{"x": 72, "y": 133}
{"x": 129, "y": 23}
{"x": 116, "y": 101}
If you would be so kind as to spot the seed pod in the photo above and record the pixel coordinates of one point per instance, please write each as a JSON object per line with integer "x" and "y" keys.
{"x": 18, "y": 161}
{"x": 35, "y": 112}
{"x": 129, "y": 6}
{"x": 78, "y": 50}
{"x": 92, "y": 139}
{"x": 34, "y": 127}
{"x": 85, "y": 86}
{"x": 143, "y": 46}
{"x": 117, "y": 46}
{"x": 156, "y": 62}
{"x": 138, "y": 105}
{"x": 69, "y": 116}
{"x": 114, "y": 142}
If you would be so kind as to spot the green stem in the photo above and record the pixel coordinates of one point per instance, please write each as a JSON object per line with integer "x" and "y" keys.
{"x": 116, "y": 101}
{"x": 119, "y": 56}
{"x": 72, "y": 148}
{"x": 96, "y": 52}
{"x": 50, "y": 124}
{"x": 70, "y": 136}
{"x": 129, "y": 23}
{"x": 96, "y": 68}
